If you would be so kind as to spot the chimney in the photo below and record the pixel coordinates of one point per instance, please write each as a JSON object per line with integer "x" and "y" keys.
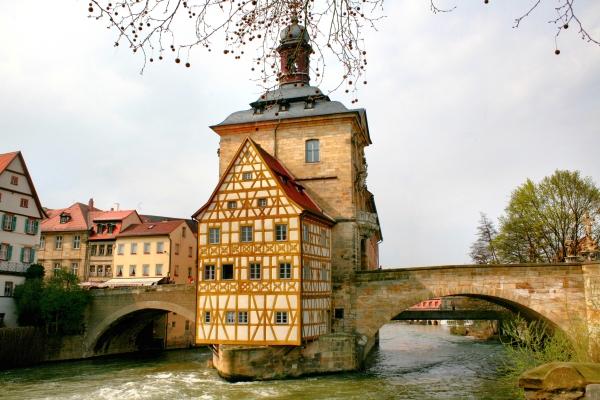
{"x": 91, "y": 203}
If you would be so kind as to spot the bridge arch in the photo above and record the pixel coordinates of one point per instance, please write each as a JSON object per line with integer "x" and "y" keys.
{"x": 553, "y": 293}
{"x": 146, "y": 309}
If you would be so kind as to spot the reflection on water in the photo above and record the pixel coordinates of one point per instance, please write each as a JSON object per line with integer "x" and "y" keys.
{"x": 412, "y": 362}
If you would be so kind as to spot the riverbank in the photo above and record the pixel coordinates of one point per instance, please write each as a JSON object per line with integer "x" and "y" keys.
{"x": 412, "y": 362}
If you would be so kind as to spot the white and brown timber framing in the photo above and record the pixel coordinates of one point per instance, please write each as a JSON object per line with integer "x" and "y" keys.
{"x": 304, "y": 297}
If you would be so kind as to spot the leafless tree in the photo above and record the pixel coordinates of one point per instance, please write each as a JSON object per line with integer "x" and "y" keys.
{"x": 249, "y": 28}
{"x": 483, "y": 250}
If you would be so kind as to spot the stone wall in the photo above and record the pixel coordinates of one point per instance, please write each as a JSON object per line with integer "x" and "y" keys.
{"x": 331, "y": 353}
{"x": 562, "y": 381}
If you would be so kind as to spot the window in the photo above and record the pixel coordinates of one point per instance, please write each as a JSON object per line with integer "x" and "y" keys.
{"x": 24, "y": 203}
{"x": 133, "y": 248}
{"x": 232, "y": 204}
{"x": 190, "y": 251}
{"x": 100, "y": 228}
{"x": 280, "y": 232}
{"x": 160, "y": 247}
{"x": 227, "y": 272}
{"x": 101, "y": 249}
{"x": 183, "y": 232}
{"x": 189, "y": 272}
{"x": 120, "y": 249}
{"x": 92, "y": 270}
{"x": 31, "y": 226}
{"x": 109, "y": 249}
{"x": 58, "y": 242}
{"x": 176, "y": 249}
{"x": 262, "y": 203}
{"x": 281, "y": 317}
{"x": 100, "y": 270}
{"x": 146, "y": 248}
{"x": 107, "y": 270}
{"x": 285, "y": 271}
{"x": 57, "y": 268}
{"x": 305, "y": 233}
{"x": 187, "y": 324}
{"x": 207, "y": 317}
{"x": 132, "y": 270}
{"x": 5, "y": 252}
{"x": 254, "y": 271}
{"x": 146, "y": 269}
{"x": 338, "y": 313}
{"x": 14, "y": 180}
{"x": 43, "y": 242}
{"x": 247, "y": 176}
{"x": 8, "y": 289}
{"x": 76, "y": 241}
{"x": 230, "y": 317}
{"x": 9, "y": 222}
{"x": 312, "y": 151}
{"x": 74, "y": 268}
{"x": 209, "y": 272}
{"x": 306, "y": 273}
{"x": 214, "y": 235}
{"x": 242, "y": 317}
{"x": 246, "y": 234}
{"x": 64, "y": 218}
{"x": 27, "y": 254}
{"x": 110, "y": 228}
{"x": 93, "y": 249}
{"x": 158, "y": 269}
{"x": 119, "y": 270}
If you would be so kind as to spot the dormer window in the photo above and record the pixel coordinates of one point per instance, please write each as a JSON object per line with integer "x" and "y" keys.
{"x": 259, "y": 110}
{"x": 110, "y": 228}
{"x": 64, "y": 218}
{"x": 284, "y": 106}
{"x": 309, "y": 104}
{"x": 100, "y": 228}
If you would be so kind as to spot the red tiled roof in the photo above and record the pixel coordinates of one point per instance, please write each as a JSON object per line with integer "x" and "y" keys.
{"x": 152, "y": 228}
{"x": 110, "y": 215}
{"x": 6, "y": 159}
{"x": 293, "y": 189}
{"x": 79, "y": 219}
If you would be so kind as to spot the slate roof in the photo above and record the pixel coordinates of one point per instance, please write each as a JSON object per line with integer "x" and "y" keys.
{"x": 152, "y": 228}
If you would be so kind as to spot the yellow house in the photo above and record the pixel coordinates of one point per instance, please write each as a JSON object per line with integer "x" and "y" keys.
{"x": 264, "y": 258}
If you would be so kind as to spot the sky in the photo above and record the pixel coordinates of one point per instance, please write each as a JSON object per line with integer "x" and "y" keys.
{"x": 462, "y": 109}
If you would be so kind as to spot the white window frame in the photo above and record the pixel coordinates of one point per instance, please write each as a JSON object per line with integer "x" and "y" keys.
{"x": 246, "y": 234}
{"x": 121, "y": 249}
{"x": 230, "y": 317}
{"x": 281, "y": 318}
{"x": 312, "y": 150}
{"x": 76, "y": 241}
{"x": 281, "y": 232}
{"x": 210, "y": 272}
{"x": 285, "y": 270}
{"x": 58, "y": 242}
{"x": 254, "y": 268}
{"x": 158, "y": 269}
{"x": 214, "y": 235}
{"x": 242, "y": 317}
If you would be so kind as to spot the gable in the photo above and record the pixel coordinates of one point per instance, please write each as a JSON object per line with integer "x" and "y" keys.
{"x": 248, "y": 179}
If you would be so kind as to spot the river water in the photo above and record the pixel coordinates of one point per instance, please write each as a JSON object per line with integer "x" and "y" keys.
{"x": 412, "y": 362}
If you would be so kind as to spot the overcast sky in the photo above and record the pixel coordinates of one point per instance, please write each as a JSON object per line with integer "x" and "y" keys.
{"x": 462, "y": 109}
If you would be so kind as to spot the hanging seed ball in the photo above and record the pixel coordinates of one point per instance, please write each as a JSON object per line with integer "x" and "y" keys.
{"x": 566, "y": 26}
{"x": 557, "y": 51}
{"x": 160, "y": 57}
{"x": 486, "y": 1}
{"x": 188, "y": 64}
{"x": 90, "y": 9}
{"x": 177, "y": 60}
{"x": 152, "y": 59}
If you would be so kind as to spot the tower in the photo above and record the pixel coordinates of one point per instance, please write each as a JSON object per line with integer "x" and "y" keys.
{"x": 290, "y": 216}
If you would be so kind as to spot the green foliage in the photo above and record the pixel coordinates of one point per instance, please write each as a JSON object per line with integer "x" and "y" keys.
{"x": 541, "y": 219}
{"x": 35, "y": 271}
{"x": 58, "y": 304}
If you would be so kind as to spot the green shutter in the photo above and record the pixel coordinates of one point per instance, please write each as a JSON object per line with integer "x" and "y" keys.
{"x": 26, "y": 225}
{"x": 32, "y": 256}
{"x": 14, "y": 223}
{"x": 9, "y": 253}
{"x": 22, "y": 253}
{"x": 36, "y": 226}
{"x": 3, "y": 220}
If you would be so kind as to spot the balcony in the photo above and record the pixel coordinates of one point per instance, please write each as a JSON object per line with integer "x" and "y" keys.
{"x": 13, "y": 267}
{"x": 367, "y": 221}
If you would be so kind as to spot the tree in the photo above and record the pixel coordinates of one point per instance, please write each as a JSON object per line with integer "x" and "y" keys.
{"x": 543, "y": 220}
{"x": 58, "y": 304}
{"x": 156, "y": 28}
{"x": 483, "y": 250}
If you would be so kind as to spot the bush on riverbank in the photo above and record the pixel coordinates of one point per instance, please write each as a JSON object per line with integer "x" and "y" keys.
{"x": 530, "y": 344}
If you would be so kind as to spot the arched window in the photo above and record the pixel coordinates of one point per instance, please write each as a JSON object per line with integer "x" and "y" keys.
{"x": 312, "y": 151}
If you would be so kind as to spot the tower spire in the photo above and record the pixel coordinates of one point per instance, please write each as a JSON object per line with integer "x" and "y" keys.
{"x": 294, "y": 53}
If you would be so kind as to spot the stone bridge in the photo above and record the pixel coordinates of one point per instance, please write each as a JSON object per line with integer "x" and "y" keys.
{"x": 561, "y": 294}
{"x": 116, "y": 317}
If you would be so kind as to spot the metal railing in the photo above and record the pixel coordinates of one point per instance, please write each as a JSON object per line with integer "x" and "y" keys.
{"x": 14, "y": 267}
